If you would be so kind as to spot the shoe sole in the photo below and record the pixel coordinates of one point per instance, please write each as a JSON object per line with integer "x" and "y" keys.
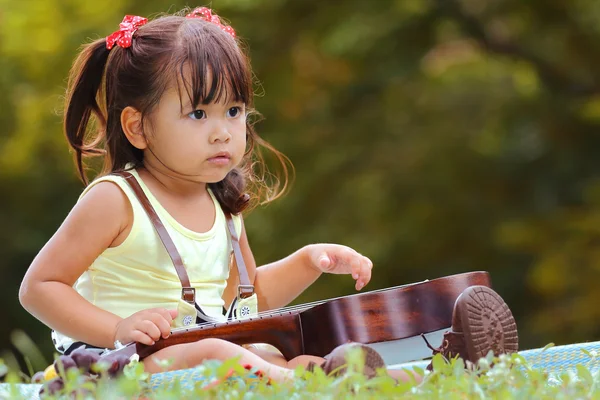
{"x": 373, "y": 359}
{"x": 487, "y": 323}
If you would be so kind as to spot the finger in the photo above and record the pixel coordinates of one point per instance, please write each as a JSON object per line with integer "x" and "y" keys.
{"x": 365, "y": 273}
{"x": 141, "y": 337}
{"x": 355, "y": 265}
{"x": 369, "y": 262}
{"x": 168, "y": 315}
{"x": 360, "y": 281}
{"x": 162, "y": 324}
{"x": 149, "y": 328}
{"x": 361, "y": 273}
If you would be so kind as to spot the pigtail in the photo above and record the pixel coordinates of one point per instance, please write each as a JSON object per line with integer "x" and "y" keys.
{"x": 230, "y": 192}
{"x": 83, "y": 92}
{"x": 252, "y": 183}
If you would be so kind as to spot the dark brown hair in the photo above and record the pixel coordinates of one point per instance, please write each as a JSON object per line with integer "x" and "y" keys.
{"x": 104, "y": 82}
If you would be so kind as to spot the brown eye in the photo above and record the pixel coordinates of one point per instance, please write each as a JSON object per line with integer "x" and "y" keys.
{"x": 234, "y": 112}
{"x": 197, "y": 114}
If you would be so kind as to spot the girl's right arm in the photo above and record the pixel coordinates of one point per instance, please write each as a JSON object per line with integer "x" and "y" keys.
{"x": 101, "y": 219}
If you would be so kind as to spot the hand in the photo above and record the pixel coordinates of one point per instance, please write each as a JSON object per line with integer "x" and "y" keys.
{"x": 338, "y": 259}
{"x": 146, "y": 326}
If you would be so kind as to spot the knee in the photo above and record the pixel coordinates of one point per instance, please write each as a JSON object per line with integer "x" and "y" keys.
{"x": 211, "y": 348}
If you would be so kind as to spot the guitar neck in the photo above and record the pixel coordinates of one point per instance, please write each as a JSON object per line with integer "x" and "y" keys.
{"x": 282, "y": 330}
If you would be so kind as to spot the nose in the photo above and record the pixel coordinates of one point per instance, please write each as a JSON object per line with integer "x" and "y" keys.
{"x": 219, "y": 132}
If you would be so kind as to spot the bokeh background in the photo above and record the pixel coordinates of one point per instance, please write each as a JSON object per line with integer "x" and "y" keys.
{"x": 436, "y": 137}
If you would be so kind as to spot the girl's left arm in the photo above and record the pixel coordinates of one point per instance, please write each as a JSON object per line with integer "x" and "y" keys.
{"x": 279, "y": 283}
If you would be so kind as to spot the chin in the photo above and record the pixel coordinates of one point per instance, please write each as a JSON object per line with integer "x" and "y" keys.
{"x": 215, "y": 179}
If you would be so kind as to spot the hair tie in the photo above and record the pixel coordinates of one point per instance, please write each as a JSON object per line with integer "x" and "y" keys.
{"x": 207, "y": 15}
{"x": 124, "y": 35}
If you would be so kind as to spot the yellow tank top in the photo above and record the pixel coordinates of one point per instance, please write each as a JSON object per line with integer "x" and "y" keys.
{"x": 139, "y": 274}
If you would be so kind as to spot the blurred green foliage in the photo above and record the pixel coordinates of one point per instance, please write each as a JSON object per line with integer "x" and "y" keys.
{"x": 434, "y": 136}
{"x": 511, "y": 377}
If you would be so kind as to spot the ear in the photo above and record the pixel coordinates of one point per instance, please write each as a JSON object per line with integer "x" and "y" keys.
{"x": 131, "y": 122}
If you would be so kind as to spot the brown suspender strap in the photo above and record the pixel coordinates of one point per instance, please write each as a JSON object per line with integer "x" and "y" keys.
{"x": 188, "y": 293}
{"x": 245, "y": 288}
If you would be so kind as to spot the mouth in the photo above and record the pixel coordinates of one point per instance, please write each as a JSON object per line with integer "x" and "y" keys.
{"x": 220, "y": 158}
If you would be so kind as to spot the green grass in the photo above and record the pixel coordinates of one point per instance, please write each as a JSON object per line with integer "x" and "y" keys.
{"x": 509, "y": 378}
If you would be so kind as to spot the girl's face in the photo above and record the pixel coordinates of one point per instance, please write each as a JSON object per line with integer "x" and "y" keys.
{"x": 199, "y": 143}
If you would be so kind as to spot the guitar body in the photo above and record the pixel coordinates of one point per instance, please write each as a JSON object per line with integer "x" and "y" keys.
{"x": 385, "y": 315}
{"x": 370, "y": 317}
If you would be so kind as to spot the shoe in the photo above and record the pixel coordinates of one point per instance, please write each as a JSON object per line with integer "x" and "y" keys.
{"x": 481, "y": 321}
{"x": 335, "y": 362}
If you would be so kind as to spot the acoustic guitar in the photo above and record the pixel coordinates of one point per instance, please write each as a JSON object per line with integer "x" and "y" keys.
{"x": 317, "y": 328}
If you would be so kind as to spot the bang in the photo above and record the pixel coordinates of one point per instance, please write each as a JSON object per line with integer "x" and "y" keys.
{"x": 212, "y": 68}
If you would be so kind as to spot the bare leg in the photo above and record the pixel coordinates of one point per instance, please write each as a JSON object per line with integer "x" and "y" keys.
{"x": 191, "y": 354}
{"x": 272, "y": 364}
{"x": 278, "y": 359}
{"x": 304, "y": 360}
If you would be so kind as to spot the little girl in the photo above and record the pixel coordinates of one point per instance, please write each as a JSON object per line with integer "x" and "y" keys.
{"x": 171, "y": 100}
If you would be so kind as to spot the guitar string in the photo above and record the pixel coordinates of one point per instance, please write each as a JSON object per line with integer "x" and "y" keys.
{"x": 289, "y": 309}
{"x": 318, "y": 302}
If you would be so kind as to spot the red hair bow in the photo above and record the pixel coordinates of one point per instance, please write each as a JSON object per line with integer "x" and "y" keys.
{"x": 207, "y": 15}
{"x": 127, "y": 28}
